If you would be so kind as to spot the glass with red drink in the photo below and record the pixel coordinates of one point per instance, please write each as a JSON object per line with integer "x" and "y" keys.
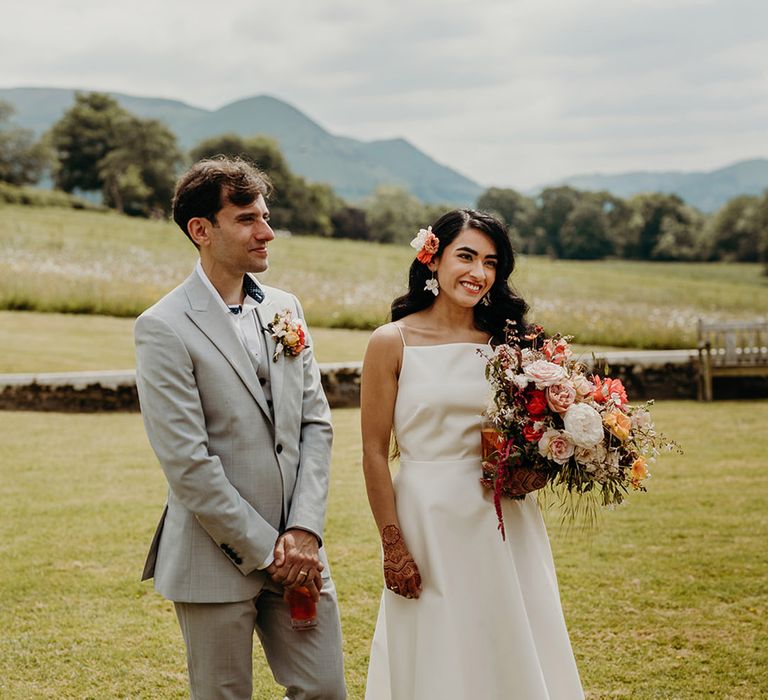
{"x": 302, "y": 607}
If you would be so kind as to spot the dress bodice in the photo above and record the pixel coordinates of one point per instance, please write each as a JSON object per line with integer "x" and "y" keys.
{"x": 442, "y": 393}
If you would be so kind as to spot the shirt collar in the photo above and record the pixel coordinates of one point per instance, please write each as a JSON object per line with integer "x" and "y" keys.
{"x": 253, "y": 293}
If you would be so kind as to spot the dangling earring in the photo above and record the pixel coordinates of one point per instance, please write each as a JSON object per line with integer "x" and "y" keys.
{"x": 432, "y": 285}
{"x": 486, "y": 300}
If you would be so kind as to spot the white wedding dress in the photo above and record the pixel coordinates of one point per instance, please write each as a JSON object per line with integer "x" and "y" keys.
{"x": 489, "y": 623}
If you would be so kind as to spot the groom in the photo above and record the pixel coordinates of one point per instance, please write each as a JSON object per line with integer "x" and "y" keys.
{"x": 241, "y": 428}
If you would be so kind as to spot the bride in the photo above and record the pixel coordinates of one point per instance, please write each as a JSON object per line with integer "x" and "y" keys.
{"x": 464, "y": 614}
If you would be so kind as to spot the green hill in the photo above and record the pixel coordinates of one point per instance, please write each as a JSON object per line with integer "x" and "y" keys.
{"x": 353, "y": 168}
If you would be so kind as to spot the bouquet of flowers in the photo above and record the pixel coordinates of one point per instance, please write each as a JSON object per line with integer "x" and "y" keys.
{"x": 549, "y": 423}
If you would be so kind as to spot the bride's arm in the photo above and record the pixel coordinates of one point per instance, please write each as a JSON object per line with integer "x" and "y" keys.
{"x": 378, "y": 392}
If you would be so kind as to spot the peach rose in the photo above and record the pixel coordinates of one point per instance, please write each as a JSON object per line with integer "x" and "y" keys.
{"x": 582, "y": 385}
{"x": 618, "y": 424}
{"x": 556, "y": 445}
{"x": 639, "y": 471}
{"x": 560, "y": 396}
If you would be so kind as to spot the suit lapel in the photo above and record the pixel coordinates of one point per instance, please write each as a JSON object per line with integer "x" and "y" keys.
{"x": 266, "y": 311}
{"x": 208, "y": 317}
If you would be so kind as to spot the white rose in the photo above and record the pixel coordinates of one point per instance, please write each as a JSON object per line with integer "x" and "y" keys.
{"x": 544, "y": 373}
{"x": 521, "y": 381}
{"x": 556, "y": 445}
{"x": 584, "y": 424}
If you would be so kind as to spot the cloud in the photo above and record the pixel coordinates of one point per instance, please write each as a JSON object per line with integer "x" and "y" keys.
{"x": 510, "y": 92}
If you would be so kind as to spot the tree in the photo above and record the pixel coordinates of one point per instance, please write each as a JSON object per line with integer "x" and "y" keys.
{"x": 23, "y": 159}
{"x": 82, "y": 138}
{"x": 101, "y": 146}
{"x": 296, "y": 205}
{"x": 584, "y": 235}
{"x": 663, "y": 227}
{"x": 517, "y": 211}
{"x": 139, "y": 174}
{"x": 762, "y": 222}
{"x": 395, "y": 216}
{"x": 350, "y": 222}
{"x": 554, "y": 206}
{"x": 736, "y": 231}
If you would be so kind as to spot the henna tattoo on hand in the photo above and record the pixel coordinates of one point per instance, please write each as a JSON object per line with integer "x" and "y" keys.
{"x": 401, "y": 574}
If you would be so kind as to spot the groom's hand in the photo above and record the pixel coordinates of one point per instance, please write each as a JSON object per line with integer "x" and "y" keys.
{"x": 401, "y": 575}
{"x": 297, "y": 562}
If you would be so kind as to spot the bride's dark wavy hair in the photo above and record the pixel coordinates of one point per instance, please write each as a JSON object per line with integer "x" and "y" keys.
{"x": 505, "y": 303}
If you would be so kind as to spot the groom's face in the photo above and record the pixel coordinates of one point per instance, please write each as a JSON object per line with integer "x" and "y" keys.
{"x": 239, "y": 238}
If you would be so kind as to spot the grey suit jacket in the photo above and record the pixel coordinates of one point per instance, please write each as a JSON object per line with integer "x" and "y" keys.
{"x": 234, "y": 472}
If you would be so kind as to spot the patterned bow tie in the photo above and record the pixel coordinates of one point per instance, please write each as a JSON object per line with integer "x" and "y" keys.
{"x": 252, "y": 290}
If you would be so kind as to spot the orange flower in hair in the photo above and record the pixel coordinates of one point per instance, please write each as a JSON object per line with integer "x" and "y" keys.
{"x": 427, "y": 244}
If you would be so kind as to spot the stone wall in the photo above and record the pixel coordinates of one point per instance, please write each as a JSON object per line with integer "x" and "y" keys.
{"x": 653, "y": 374}
{"x": 91, "y": 392}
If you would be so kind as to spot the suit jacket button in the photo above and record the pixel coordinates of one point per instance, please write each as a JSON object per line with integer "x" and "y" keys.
{"x": 238, "y": 561}
{"x": 278, "y": 448}
{"x": 262, "y": 381}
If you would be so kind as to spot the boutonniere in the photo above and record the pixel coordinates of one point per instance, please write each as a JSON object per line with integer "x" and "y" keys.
{"x": 288, "y": 335}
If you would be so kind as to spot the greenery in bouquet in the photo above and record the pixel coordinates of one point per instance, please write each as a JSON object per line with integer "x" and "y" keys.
{"x": 550, "y": 423}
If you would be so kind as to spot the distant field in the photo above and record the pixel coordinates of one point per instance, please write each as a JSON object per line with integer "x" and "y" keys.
{"x": 101, "y": 263}
{"x": 32, "y": 342}
{"x": 668, "y": 599}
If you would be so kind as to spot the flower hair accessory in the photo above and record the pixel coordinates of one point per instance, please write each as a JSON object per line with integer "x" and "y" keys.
{"x": 288, "y": 335}
{"x": 427, "y": 244}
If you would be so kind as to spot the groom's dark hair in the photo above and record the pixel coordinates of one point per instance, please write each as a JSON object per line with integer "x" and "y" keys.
{"x": 213, "y": 182}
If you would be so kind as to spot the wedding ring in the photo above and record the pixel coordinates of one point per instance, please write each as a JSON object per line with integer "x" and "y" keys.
{"x": 303, "y": 573}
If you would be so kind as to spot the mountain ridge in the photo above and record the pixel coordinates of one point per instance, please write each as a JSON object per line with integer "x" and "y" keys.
{"x": 354, "y": 168}
{"x": 705, "y": 190}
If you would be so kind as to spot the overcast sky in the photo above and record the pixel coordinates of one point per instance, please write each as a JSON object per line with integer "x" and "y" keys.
{"x": 509, "y": 92}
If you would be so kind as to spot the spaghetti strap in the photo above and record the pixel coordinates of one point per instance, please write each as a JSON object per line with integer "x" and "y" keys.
{"x": 402, "y": 337}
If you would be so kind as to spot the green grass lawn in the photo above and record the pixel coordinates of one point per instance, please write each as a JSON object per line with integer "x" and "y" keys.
{"x": 94, "y": 262}
{"x": 668, "y": 599}
{"x": 49, "y": 342}
{"x": 36, "y": 341}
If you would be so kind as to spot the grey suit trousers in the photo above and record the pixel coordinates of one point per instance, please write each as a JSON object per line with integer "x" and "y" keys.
{"x": 219, "y": 640}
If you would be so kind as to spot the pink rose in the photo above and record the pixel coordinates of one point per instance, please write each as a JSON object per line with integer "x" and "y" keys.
{"x": 560, "y": 396}
{"x": 557, "y": 351}
{"x": 544, "y": 373}
{"x": 556, "y": 445}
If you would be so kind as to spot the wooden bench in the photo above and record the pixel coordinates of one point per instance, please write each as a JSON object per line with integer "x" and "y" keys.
{"x": 731, "y": 349}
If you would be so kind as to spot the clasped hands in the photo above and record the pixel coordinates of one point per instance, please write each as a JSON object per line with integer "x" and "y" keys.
{"x": 297, "y": 562}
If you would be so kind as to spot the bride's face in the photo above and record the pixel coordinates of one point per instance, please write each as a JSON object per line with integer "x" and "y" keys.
{"x": 466, "y": 268}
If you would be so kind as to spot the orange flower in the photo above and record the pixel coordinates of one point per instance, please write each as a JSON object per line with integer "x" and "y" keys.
{"x": 427, "y": 244}
{"x": 609, "y": 388}
{"x": 639, "y": 471}
{"x": 618, "y": 424}
{"x": 424, "y": 256}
